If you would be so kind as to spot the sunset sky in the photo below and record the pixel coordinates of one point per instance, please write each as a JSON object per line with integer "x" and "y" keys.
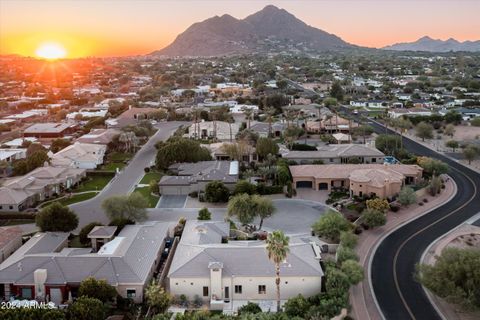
{"x": 129, "y": 27}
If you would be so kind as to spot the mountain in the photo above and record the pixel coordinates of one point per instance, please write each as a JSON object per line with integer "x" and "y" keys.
{"x": 435, "y": 45}
{"x": 269, "y": 30}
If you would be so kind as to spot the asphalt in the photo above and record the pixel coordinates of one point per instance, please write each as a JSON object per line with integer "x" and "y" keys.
{"x": 125, "y": 181}
{"x": 398, "y": 294}
{"x": 172, "y": 201}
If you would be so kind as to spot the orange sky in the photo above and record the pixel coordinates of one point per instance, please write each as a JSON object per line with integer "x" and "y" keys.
{"x": 128, "y": 27}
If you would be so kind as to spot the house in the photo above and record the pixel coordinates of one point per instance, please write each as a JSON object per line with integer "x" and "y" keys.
{"x": 18, "y": 143}
{"x": 130, "y": 117}
{"x": 24, "y": 192}
{"x": 217, "y": 150}
{"x": 341, "y": 138}
{"x": 240, "y": 108}
{"x": 46, "y": 269}
{"x": 10, "y": 241}
{"x": 397, "y": 113}
{"x": 220, "y": 130}
{"x": 87, "y": 113}
{"x": 99, "y": 136}
{"x": 381, "y": 180}
{"x": 358, "y": 104}
{"x": 193, "y": 177}
{"x": 8, "y": 156}
{"x": 469, "y": 114}
{"x": 227, "y": 275}
{"x": 50, "y": 130}
{"x": 80, "y": 156}
{"x": 262, "y": 129}
{"x": 336, "y": 154}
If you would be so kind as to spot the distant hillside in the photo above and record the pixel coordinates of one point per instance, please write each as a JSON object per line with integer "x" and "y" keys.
{"x": 269, "y": 30}
{"x": 434, "y": 45}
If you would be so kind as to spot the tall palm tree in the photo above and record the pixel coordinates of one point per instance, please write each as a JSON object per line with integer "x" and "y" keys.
{"x": 277, "y": 250}
{"x": 248, "y": 115}
{"x": 269, "y": 112}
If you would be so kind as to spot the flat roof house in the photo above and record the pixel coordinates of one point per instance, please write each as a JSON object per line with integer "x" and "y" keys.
{"x": 193, "y": 177}
{"x": 99, "y": 136}
{"x": 220, "y": 130}
{"x": 228, "y": 275}
{"x": 44, "y": 268}
{"x": 381, "y": 180}
{"x": 337, "y": 153}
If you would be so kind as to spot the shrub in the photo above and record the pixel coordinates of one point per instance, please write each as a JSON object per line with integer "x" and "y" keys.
{"x": 250, "y": 307}
{"x": 243, "y": 186}
{"x": 373, "y": 218}
{"x": 378, "y": 204}
{"x": 407, "y": 196}
{"x": 330, "y": 225}
{"x": 344, "y": 254}
{"x": 348, "y": 239}
{"x": 215, "y": 191}
{"x": 204, "y": 214}
{"x": 193, "y": 194}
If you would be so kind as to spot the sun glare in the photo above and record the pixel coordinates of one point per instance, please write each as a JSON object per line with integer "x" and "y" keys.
{"x": 51, "y": 51}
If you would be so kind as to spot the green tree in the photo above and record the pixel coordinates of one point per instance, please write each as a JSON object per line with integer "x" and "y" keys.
{"x": 86, "y": 230}
{"x": 277, "y": 250}
{"x": 336, "y": 91}
{"x": 242, "y": 207}
{"x": 157, "y": 298}
{"x": 33, "y": 148}
{"x": 85, "y": 308}
{"x": 37, "y": 160}
{"x": 450, "y": 130}
{"x": 470, "y": 153}
{"x": 56, "y": 217}
{"x": 249, "y": 308}
{"x": 344, "y": 254}
{"x": 455, "y": 276}
{"x": 353, "y": 270}
{"x": 348, "y": 239}
{"x": 330, "y": 225}
{"x": 204, "y": 214}
{"x": 475, "y": 122}
{"x": 407, "y": 196}
{"x": 452, "y": 144}
{"x": 216, "y": 191}
{"x": 98, "y": 289}
{"x": 388, "y": 143}
{"x": 132, "y": 207}
{"x": 20, "y": 167}
{"x": 432, "y": 166}
{"x": 373, "y": 218}
{"x": 243, "y": 186}
{"x": 453, "y": 117}
{"x": 177, "y": 150}
{"x": 266, "y": 146}
{"x": 424, "y": 130}
{"x": 59, "y": 144}
{"x": 263, "y": 207}
{"x": 154, "y": 187}
{"x": 296, "y": 307}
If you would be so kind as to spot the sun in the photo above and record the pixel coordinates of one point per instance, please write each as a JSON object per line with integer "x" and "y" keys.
{"x": 51, "y": 51}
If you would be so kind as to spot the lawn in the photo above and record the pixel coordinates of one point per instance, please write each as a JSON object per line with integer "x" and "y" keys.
{"x": 112, "y": 166}
{"x": 152, "y": 200}
{"x": 119, "y": 156}
{"x": 151, "y": 176}
{"x": 94, "y": 183}
{"x": 75, "y": 198}
{"x": 15, "y": 222}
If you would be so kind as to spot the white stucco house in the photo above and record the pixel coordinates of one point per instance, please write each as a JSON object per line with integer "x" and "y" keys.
{"x": 228, "y": 275}
{"x": 80, "y": 156}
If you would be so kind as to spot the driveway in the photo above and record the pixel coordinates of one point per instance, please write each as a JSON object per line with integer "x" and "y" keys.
{"x": 312, "y": 195}
{"x": 172, "y": 201}
{"x": 293, "y": 216}
{"x": 125, "y": 181}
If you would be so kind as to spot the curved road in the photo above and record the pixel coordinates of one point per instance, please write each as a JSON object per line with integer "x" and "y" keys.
{"x": 125, "y": 181}
{"x": 393, "y": 266}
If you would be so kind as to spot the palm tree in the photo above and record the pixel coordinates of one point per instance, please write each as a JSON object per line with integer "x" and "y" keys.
{"x": 269, "y": 112}
{"x": 248, "y": 115}
{"x": 277, "y": 250}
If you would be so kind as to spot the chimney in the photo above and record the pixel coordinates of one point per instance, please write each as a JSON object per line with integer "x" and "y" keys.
{"x": 39, "y": 278}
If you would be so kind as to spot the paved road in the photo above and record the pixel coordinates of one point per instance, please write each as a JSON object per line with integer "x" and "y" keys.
{"x": 292, "y": 216}
{"x": 125, "y": 181}
{"x": 393, "y": 264}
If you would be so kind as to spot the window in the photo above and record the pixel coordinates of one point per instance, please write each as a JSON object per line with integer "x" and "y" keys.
{"x": 262, "y": 289}
{"x": 238, "y": 289}
{"x": 27, "y": 293}
{"x": 11, "y": 207}
{"x": 374, "y": 160}
{"x": 205, "y": 291}
{"x": 331, "y": 159}
{"x": 131, "y": 293}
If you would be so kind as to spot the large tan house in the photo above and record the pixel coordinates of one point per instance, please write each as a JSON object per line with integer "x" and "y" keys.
{"x": 379, "y": 180}
{"x": 228, "y": 274}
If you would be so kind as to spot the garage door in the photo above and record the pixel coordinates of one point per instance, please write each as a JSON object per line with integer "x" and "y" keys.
{"x": 304, "y": 184}
{"x": 323, "y": 186}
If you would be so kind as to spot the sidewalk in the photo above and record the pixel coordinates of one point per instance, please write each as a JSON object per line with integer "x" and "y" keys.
{"x": 448, "y": 310}
{"x": 361, "y": 296}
